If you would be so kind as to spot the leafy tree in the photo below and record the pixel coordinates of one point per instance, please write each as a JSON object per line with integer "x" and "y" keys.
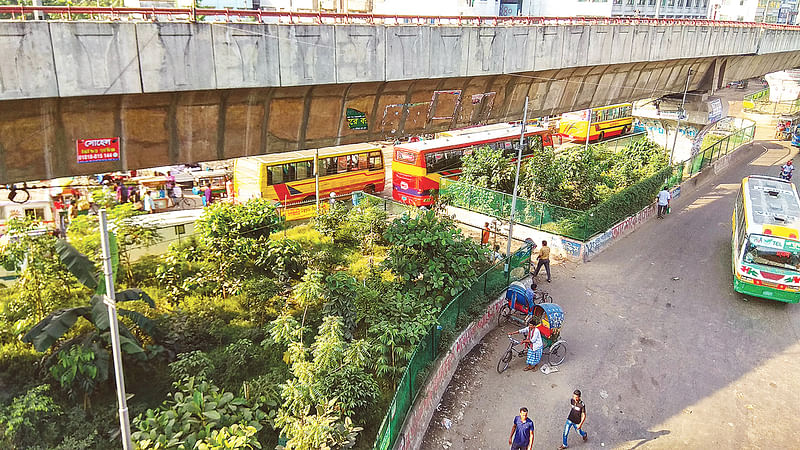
{"x": 84, "y": 233}
{"x": 191, "y": 416}
{"x": 367, "y": 223}
{"x": 282, "y": 259}
{"x": 328, "y": 382}
{"x": 80, "y": 369}
{"x": 310, "y": 291}
{"x": 330, "y": 221}
{"x": 47, "y": 332}
{"x": 233, "y": 236}
{"x": 397, "y": 325}
{"x": 487, "y": 167}
{"x": 542, "y": 177}
{"x": 43, "y": 280}
{"x": 431, "y": 256}
{"x": 195, "y": 364}
{"x": 340, "y": 291}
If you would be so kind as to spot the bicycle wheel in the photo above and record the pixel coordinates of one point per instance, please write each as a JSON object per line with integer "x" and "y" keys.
{"x": 558, "y": 352}
{"x": 502, "y": 365}
{"x": 504, "y": 314}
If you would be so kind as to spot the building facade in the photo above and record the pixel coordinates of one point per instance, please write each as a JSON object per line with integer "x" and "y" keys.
{"x": 665, "y": 9}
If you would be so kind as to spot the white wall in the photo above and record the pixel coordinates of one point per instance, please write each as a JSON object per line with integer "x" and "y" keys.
{"x": 736, "y": 10}
{"x": 566, "y": 8}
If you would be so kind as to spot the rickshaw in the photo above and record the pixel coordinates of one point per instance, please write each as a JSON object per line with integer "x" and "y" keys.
{"x": 520, "y": 302}
{"x": 551, "y": 318}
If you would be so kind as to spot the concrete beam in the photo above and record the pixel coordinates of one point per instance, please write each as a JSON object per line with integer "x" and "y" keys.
{"x": 29, "y": 70}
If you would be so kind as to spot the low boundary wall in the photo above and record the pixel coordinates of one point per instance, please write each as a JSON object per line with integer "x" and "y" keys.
{"x": 418, "y": 419}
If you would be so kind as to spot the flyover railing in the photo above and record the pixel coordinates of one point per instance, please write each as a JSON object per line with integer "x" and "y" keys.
{"x": 467, "y": 305}
{"x": 23, "y": 12}
{"x": 582, "y": 225}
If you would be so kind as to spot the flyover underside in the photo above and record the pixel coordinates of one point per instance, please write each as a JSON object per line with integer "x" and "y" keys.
{"x": 38, "y": 136}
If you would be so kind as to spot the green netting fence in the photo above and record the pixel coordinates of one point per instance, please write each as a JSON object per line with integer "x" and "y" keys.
{"x": 582, "y": 225}
{"x": 466, "y": 306}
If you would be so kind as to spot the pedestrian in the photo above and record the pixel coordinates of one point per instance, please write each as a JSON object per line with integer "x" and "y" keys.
{"x": 207, "y": 195}
{"x": 521, "y": 432}
{"x": 169, "y": 186}
{"x": 485, "y": 233}
{"x": 497, "y": 256}
{"x": 149, "y": 204}
{"x": 577, "y": 416}
{"x": 333, "y": 198}
{"x": 544, "y": 260}
{"x": 229, "y": 188}
{"x": 122, "y": 192}
{"x": 532, "y": 338}
{"x": 663, "y": 201}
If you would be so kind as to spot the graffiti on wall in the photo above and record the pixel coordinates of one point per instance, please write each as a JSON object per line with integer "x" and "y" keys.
{"x": 571, "y": 247}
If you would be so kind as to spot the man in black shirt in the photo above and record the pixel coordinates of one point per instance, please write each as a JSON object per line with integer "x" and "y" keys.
{"x": 577, "y": 415}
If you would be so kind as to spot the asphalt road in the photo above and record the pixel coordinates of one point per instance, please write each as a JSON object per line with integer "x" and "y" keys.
{"x": 666, "y": 353}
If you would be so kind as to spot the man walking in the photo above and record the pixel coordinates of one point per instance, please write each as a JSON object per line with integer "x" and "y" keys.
{"x": 485, "y": 233}
{"x": 663, "y": 201}
{"x": 532, "y": 338}
{"x": 577, "y": 415}
{"x": 544, "y": 260}
{"x": 521, "y": 432}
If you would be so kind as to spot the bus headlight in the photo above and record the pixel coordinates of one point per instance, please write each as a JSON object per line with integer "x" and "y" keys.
{"x": 745, "y": 278}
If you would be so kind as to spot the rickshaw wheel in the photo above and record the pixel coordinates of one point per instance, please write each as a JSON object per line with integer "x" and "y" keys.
{"x": 505, "y": 312}
{"x": 558, "y": 352}
{"x": 502, "y": 365}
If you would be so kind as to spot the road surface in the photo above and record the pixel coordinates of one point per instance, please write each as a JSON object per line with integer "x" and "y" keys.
{"x": 666, "y": 353}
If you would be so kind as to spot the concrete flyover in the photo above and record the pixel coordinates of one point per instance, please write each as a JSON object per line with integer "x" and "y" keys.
{"x": 182, "y": 91}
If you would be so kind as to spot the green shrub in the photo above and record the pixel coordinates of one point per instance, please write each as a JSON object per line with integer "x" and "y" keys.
{"x": 195, "y": 364}
{"x": 261, "y": 299}
{"x": 192, "y": 414}
{"x": 20, "y": 421}
{"x": 80, "y": 370}
{"x": 282, "y": 259}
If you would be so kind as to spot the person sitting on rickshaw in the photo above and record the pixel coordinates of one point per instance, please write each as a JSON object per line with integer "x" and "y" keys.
{"x": 532, "y": 338}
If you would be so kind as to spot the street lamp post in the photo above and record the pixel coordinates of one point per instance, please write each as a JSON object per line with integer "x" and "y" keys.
{"x": 680, "y": 113}
{"x": 516, "y": 183}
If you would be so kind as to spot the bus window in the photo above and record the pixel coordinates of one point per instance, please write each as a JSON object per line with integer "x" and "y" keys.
{"x": 363, "y": 161}
{"x": 406, "y": 157}
{"x": 289, "y": 173}
{"x": 341, "y": 164}
{"x": 352, "y": 163}
{"x": 275, "y": 175}
{"x": 375, "y": 161}
{"x": 304, "y": 169}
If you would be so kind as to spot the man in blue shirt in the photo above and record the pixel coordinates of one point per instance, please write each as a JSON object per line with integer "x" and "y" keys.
{"x": 522, "y": 432}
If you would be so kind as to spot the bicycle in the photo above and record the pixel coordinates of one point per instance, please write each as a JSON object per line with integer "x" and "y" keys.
{"x": 556, "y": 352}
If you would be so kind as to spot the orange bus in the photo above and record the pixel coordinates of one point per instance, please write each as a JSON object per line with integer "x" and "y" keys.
{"x": 607, "y": 121}
{"x": 289, "y": 177}
{"x": 418, "y": 166}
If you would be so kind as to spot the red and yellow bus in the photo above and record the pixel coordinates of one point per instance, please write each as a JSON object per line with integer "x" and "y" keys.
{"x": 607, "y": 121}
{"x": 418, "y": 166}
{"x": 289, "y": 177}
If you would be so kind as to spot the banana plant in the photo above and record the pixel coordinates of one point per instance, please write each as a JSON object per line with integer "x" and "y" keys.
{"x": 50, "y": 329}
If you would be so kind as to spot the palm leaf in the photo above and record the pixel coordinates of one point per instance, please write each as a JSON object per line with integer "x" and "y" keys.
{"x": 139, "y": 319}
{"x": 77, "y": 263}
{"x": 134, "y": 294}
{"x": 50, "y": 329}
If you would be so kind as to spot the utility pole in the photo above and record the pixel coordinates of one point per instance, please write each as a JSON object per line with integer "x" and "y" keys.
{"x": 680, "y": 113}
{"x": 516, "y": 182}
{"x": 588, "y": 130}
{"x": 111, "y": 304}
{"x": 316, "y": 177}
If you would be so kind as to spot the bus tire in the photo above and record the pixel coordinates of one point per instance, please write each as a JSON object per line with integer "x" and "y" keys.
{"x": 625, "y": 130}
{"x": 310, "y": 198}
{"x": 369, "y": 189}
{"x": 602, "y": 135}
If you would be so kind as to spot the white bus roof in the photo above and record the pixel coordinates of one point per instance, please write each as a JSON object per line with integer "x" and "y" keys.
{"x": 473, "y": 130}
{"x": 467, "y": 139}
{"x": 772, "y": 201}
{"x": 309, "y": 154}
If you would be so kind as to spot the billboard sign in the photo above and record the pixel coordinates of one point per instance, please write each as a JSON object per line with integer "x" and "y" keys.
{"x": 97, "y": 150}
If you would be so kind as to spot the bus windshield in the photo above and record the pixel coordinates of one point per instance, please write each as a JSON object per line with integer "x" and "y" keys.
{"x": 773, "y": 251}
